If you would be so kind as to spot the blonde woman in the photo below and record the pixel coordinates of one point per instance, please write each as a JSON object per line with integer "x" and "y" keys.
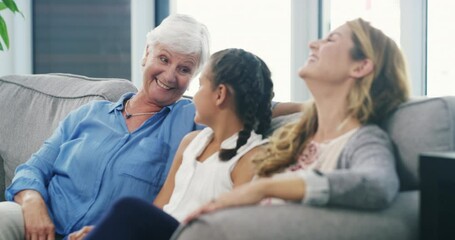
{"x": 335, "y": 154}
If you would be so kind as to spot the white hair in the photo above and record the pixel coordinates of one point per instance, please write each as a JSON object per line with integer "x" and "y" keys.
{"x": 183, "y": 34}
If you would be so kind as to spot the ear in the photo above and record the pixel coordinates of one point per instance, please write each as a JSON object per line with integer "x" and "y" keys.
{"x": 146, "y": 54}
{"x": 222, "y": 93}
{"x": 362, "y": 68}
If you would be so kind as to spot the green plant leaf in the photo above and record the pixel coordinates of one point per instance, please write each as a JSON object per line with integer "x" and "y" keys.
{"x": 4, "y": 32}
{"x": 1, "y": 47}
{"x": 11, "y": 5}
{"x": 2, "y": 6}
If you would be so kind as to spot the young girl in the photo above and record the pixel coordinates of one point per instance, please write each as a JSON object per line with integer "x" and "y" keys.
{"x": 233, "y": 101}
{"x": 336, "y": 154}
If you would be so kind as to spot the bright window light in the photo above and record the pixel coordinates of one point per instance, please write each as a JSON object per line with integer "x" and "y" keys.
{"x": 382, "y": 14}
{"x": 440, "y": 49}
{"x": 262, "y": 27}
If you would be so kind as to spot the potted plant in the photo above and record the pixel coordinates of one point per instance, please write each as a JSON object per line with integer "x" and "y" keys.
{"x": 11, "y": 6}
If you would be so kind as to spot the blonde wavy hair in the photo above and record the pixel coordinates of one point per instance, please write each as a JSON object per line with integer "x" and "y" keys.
{"x": 372, "y": 99}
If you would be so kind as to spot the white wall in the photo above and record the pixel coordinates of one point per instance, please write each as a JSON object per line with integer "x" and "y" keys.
{"x": 304, "y": 30}
{"x": 413, "y": 42}
{"x": 142, "y": 21}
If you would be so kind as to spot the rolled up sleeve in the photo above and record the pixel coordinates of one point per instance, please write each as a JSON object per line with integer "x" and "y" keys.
{"x": 317, "y": 188}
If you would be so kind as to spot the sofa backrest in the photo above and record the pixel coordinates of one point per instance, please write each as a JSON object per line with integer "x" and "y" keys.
{"x": 31, "y": 106}
{"x": 420, "y": 125}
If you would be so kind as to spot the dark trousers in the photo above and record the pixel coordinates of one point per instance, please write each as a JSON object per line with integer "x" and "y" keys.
{"x": 132, "y": 218}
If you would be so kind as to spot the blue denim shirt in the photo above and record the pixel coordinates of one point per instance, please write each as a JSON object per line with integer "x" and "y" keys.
{"x": 91, "y": 160}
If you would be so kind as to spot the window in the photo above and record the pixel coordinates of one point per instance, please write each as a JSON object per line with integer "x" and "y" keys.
{"x": 382, "y": 14}
{"x": 402, "y": 20}
{"x": 440, "y": 50}
{"x": 262, "y": 27}
{"x": 277, "y": 31}
{"x": 82, "y": 37}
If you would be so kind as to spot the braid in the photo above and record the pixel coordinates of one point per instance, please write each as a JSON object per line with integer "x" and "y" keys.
{"x": 252, "y": 86}
{"x": 265, "y": 104}
{"x": 227, "y": 154}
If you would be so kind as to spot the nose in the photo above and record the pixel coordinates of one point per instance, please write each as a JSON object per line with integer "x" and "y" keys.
{"x": 169, "y": 75}
{"x": 313, "y": 44}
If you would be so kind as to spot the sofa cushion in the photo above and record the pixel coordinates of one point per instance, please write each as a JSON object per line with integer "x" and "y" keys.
{"x": 420, "y": 125}
{"x": 33, "y": 105}
{"x": 296, "y": 221}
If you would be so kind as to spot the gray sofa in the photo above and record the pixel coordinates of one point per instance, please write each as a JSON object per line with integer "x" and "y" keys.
{"x": 32, "y": 105}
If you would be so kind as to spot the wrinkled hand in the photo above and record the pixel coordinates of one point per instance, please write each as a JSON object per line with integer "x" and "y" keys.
{"x": 38, "y": 224}
{"x": 247, "y": 194}
{"x": 81, "y": 234}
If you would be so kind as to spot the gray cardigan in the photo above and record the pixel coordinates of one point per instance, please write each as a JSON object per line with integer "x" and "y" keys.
{"x": 365, "y": 176}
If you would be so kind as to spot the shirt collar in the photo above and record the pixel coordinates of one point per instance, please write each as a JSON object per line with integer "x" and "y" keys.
{"x": 119, "y": 104}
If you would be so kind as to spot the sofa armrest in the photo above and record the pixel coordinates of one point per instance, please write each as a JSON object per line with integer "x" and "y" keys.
{"x": 295, "y": 221}
{"x": 437, "y": 184}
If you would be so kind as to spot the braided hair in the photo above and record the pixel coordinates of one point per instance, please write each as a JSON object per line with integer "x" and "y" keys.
{"x": 250, "y": 80}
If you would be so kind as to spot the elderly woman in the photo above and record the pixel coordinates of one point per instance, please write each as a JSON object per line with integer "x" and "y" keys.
{"x": 107, "y": 150}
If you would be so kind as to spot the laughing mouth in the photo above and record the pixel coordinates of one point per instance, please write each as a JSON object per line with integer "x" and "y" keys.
{"x": 162, "y": 85}
{"x": 312, "y": 57}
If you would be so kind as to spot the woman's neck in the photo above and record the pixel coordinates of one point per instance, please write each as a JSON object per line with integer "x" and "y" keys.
{"x": 140, "y": 103}
{"x": 333, "y": 120}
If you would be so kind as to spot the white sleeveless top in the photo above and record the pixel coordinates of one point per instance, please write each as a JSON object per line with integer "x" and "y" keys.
{"x": 197, "y": 183}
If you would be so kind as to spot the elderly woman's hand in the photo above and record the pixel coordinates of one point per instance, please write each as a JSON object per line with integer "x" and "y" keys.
{"x": 38, "y": 224}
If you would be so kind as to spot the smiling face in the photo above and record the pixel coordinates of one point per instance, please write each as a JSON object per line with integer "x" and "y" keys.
{"x": 167, "y": 74}
{"x": 330, "y": 59}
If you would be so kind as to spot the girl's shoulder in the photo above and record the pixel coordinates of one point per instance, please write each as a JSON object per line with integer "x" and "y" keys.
{"x": 189, "y": 137}
{"x": 195, "y": 138}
